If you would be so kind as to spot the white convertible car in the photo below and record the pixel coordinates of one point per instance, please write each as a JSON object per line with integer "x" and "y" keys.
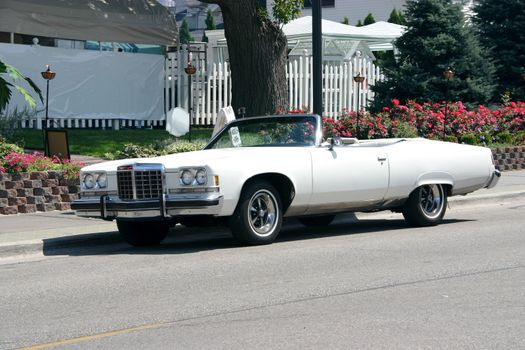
{"x": 256, "y": 171}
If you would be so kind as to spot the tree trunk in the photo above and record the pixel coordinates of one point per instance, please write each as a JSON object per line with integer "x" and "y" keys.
{"x": 257, "y": 52}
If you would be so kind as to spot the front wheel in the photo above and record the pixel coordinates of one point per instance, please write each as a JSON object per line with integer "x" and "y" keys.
{"x": 426, "y": 205}
{"x": 258, "y": 216}
{"x": 143, "y": 233}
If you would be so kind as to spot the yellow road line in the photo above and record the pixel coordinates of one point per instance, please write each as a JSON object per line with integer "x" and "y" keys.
{"x": 93, "y": 337}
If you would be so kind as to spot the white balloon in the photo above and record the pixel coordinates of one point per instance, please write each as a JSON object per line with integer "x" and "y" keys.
{"x": 177, "y": 122}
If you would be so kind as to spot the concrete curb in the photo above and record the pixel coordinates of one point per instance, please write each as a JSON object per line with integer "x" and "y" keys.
{"x": 53, "y": 245}
{"x": 49, "y": 245}
{"x": 485, "y": 198}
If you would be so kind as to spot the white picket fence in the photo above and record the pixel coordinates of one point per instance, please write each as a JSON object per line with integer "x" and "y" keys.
{"x": 340, "y": 91}
{"x": 211, "y": 86}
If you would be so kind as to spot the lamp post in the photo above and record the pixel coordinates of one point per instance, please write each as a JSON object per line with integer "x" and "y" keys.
{"x": 359, "y": 80}
{"x": 447, "y": 74}
{"x": 48, "y": 75}
{"x": 190, "y": 70}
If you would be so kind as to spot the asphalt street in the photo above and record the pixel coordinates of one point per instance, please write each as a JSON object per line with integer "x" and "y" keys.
{"x": 372, "y": 284}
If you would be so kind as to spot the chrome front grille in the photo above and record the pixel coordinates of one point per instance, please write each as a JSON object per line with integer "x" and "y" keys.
{"x": 140, "y": 182}
{"x": 125, "y": 184}
{"x": 148, "y": 184}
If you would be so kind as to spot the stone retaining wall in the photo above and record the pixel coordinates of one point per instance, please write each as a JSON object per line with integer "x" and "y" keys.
{"x": 509, "y": 158}
{"x": 37, "y": 191}
{"x": 46, "y": 191}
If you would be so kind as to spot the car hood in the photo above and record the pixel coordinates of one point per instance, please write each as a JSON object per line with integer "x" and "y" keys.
{"x": 189, "y": 159}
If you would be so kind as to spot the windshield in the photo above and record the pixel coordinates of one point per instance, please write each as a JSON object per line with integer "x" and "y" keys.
{"x": 268, "y": 132}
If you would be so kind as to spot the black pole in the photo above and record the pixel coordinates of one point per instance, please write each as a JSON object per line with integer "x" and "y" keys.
{"x": 446, "y": 112}
{"x": 317, "y": 52}
{"x": 189, "y": 104}
{"x": 44, "y": 129}
{"x": 358, "y": 110}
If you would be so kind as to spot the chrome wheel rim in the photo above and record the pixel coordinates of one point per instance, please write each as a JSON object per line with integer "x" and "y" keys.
{"x": 431, "y": 200}
{"x": 263, "y": 213}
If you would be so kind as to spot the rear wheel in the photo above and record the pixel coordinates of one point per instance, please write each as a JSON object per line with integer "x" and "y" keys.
{"x": 143, "y": 233}
{"x": 426, "y": 205}
{"x": 258, "y": 217}
{"x": 321, "y": 220}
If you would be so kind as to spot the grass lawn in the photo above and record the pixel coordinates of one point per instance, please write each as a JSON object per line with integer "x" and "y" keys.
{"x": 98, "y": 142}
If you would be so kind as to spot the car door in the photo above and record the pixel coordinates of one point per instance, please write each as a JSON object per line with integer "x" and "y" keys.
{"x": 352, "y": 176}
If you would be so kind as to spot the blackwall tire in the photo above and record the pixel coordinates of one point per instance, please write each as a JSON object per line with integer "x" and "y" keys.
{"x": 426, "y": 205}
{"x": 316, "y": 221}
{"x": 258, "y": 216}
{"x": 143, "y": 233}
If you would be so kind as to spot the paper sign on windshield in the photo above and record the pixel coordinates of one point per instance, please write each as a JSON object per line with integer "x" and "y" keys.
{"x": 235, "y": 137}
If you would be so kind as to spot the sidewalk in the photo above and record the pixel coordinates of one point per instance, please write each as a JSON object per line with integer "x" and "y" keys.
{"x": 26, "y": 233}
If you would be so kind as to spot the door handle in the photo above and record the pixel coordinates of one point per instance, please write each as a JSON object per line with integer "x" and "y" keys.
{"x": 381, "y": 159}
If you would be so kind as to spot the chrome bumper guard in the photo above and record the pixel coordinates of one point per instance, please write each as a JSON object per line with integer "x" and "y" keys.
{"x": 111, "y": 207}
{"x": 494, "y": 179}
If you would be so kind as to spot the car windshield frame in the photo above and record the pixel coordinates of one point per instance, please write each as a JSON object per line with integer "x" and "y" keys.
{"x": 268, "y": 120}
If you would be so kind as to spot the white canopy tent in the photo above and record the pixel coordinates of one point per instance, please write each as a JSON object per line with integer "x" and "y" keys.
{"x": 340, "y": 41}
{"x": 128, "y": 21}
{"x": 378, "y": 36}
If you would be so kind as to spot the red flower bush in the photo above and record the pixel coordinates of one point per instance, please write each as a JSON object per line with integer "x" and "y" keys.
{"x": 15, "y": 162}
{"x": 431, "y": 120}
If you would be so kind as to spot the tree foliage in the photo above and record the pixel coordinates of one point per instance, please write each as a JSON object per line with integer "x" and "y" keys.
{"x": 210, "y": 21}
{"x": 437, "y": 38}
{"x": 285, "y": 11}
{"x": 345, "y": 20}
{"x": 184, "y": 33}
{"x": 369, "y": 19}
{"x": 9, "y": 77}
{"x": 359, "y": 23}
{"x": 501, "y": 26}
{"x": 402, "y": 18}
{"x": 394, "y": 17}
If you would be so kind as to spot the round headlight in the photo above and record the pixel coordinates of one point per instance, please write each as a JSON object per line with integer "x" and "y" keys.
{"x": 89, "y": 181}
{"x": 200, "y": 177}
{"x": 102, "y": 180}
{"x": 187, "y": 177}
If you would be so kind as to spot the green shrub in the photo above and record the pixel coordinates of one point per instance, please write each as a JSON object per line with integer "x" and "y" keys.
{"x": 10, "y": 121}
{"x": 451, "y": 138}
{"x": 131, "y": 150}
{"x": 504, "y": 137}
{"x": 6, "y": 148}
{"x": 486, "y": 138}
{"x": 469, "y": 139}
{"x": 159, "y": 148}
{"x": 519, "y": 138}
{"x": 185, "y": 146}
{"x": 405, "y": 130}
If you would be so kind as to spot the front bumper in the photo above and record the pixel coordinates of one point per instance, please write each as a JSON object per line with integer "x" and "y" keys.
{"x": 111, "y": 207}
{"x": 496, "y": 174}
